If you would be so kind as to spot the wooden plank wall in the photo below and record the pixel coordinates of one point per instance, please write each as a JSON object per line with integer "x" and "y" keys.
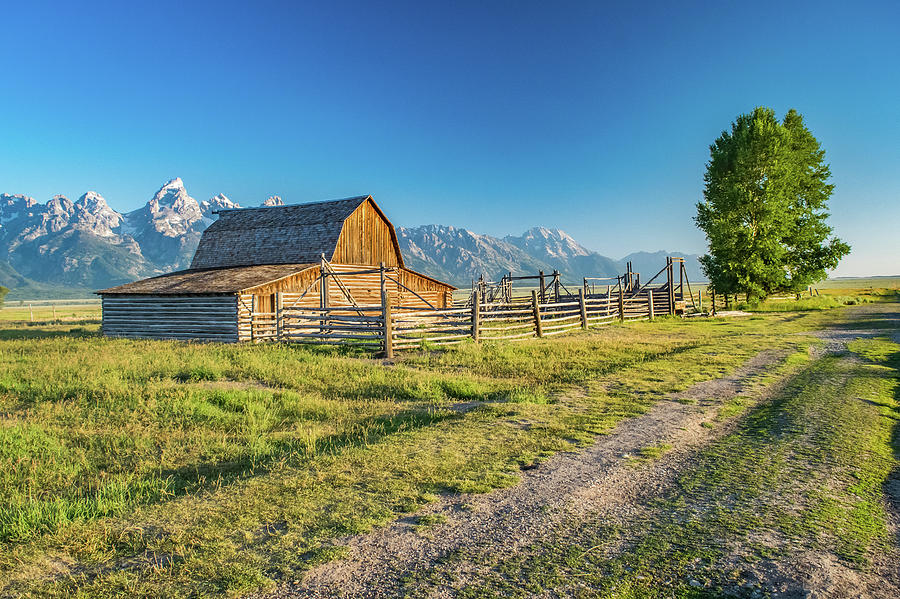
{"x": 365, "y": 289}
{"x": 366, "y": 238}
{"x": 205, "y": 318}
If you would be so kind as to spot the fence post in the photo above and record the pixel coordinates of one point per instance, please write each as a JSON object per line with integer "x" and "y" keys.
{"x": 543, "y": 288}
{"x": 388, "y": 328}
{"x": 556, "y": 286}
{"x": 581, "y": 304}
{"x": 252, "y": 316}
{"x": 650, "y": 303}
{"x": 621, "y": 301}
{"x": 713, "y": 300}
{"x": 476, "y": 317}
{"x": 279, "y": 323}
{"x": 699, "y": 300}
{"x": 537, "y": 314}
{"x": 671, "y": 276}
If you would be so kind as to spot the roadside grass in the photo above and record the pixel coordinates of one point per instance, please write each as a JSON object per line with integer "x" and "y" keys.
{"x": 147, "y": 468}
{"x": 827, "y": 299}
{"x": 801, "y": 473}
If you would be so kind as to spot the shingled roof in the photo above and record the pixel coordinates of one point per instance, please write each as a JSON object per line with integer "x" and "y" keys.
{"x": 294, "y": 234}
{"x": 210, "y": 280}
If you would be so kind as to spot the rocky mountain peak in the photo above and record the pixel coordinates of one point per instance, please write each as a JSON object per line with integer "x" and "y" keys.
{"x": 549, "y": 243}
{"x": 13, "y": 206}
{"x": 273, "y": 201}
{"x": 94, "y": 215}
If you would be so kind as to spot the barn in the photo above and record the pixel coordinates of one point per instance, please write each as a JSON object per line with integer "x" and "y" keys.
{"x": 321, "y": 254}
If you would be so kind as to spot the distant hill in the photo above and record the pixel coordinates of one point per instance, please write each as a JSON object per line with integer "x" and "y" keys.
{"x": 64, "y": 248}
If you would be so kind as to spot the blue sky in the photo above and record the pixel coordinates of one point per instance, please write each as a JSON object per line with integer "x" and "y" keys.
{"x": 495, "y": 116}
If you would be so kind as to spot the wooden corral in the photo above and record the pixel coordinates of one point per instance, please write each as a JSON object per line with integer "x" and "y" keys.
{"x": 320, "y": 255}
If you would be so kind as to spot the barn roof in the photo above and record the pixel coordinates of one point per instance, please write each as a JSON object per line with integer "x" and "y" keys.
{"x": 208, "y": 280}
{"x": 293, "y": 234}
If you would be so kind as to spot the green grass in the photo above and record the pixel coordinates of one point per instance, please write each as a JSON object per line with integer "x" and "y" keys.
{"x": 148, "y": 468}
{"x": 802, "y": 472}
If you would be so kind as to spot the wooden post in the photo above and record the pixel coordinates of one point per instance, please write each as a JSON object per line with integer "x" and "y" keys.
{"x": 581, "y": 304}
{"x": 584, "y": 285}
{"x": 699, "y": 299}
{"x": 621, "y": 301}
{"x": 279, "y": 323}
{"x": 252, "y": 316}
{"x": 476, "y": 318}
{"x": 537, "y": 314}
{"x": 713, "y": 300}
{"x": 650, "y": 303}
{"x": 671, "y": 276}
{"x": 388, "y": 328}
{"x": 608, "y": 297}
{"x": 543, "y": 289}
{"x": 556, "y": 286}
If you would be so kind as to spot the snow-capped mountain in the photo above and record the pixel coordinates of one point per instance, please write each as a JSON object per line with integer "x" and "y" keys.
{"x": 87, "y": 243}
{"x": 209, "y": 207}
{"x": 168, "y": 227}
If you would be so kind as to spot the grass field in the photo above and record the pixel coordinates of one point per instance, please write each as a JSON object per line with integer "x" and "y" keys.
{"x": 45, "y": 311}
{"x": 147, "y": 469}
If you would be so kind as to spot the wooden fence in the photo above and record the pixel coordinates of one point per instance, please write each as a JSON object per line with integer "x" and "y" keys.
{"x": 386, "y": 328}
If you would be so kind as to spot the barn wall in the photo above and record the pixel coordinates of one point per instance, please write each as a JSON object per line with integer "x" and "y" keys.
{"x": 206, "y": 318}
{"x": 366, "y": 238}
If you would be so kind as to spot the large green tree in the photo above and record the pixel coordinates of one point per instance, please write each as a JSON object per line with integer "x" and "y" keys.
{"x": 764, "y": 207}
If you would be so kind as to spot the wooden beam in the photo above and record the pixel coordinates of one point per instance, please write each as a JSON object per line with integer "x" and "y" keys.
{"x": 581, "y": 304}
{"x": 536, "y": 308}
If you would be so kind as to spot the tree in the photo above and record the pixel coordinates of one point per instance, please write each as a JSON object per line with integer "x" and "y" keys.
{"x": 764, "y": 208}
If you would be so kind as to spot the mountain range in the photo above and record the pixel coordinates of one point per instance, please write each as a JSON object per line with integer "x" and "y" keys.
{"x": 65, "y": 247}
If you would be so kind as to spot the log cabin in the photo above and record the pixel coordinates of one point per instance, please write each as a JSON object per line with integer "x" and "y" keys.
{"x": 249, "y": 256}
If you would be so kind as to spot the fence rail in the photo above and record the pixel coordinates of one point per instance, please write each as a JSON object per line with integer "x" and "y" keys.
{"x": 389, "y": 328}
{"x": 491, "y": 313}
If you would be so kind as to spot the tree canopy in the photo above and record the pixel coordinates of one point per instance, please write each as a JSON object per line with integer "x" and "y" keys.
{"x": 764, "y": 207}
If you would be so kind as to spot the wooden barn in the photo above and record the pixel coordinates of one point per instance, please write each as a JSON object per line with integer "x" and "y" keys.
{"x": 321, "y": 255}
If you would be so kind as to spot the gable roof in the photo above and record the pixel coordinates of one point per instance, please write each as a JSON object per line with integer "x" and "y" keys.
{"x": 210, "y": 280}
{"x": 293, "y": 234}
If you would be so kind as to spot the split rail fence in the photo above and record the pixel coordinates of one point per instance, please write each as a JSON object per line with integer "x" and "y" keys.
{"x": 387, "y": 328}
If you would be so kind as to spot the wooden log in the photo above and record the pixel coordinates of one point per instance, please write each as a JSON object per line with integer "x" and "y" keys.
{"x": 671, "y": 276}
{"x": 621, "y": 301}
{"x": 583, "y": 306}
{"x": 536, "y": 309}
{"x": 650, "y": 303}
{"x": 386, "y": 316}
{"x": 476, "y": 319}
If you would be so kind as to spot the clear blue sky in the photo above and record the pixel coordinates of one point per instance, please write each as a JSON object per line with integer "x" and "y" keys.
{"x": 495, "y": 116}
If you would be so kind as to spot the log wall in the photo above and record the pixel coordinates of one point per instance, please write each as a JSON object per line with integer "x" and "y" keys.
{"x": 200, "y": 317}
